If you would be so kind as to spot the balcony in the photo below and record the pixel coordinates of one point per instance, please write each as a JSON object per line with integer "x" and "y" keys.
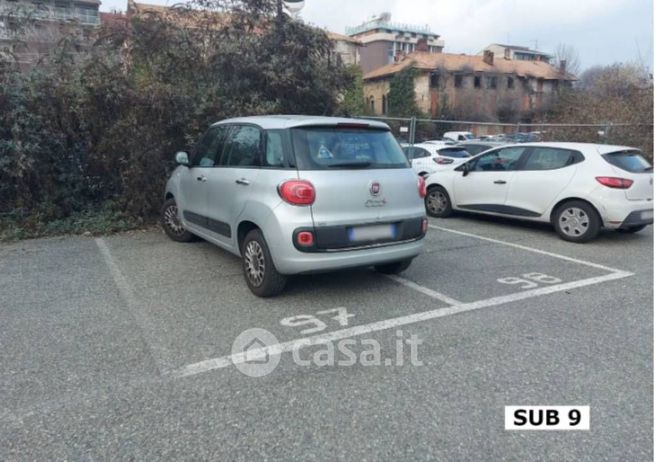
{"x": 86, "y": 16}
{"x": 392, "y": 26}
{"x": 83, "y": 15}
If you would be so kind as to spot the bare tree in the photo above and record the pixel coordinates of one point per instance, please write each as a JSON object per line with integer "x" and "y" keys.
{"x": 568, "y": 53}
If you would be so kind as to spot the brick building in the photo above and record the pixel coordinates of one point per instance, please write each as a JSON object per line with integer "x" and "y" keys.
{"x": 472, "y": 87}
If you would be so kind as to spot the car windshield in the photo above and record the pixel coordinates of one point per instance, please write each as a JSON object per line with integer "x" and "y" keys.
{"x": 458, "y": 153}
{"x": 323, "y": 148}
{"x": 468, "y": 136}
{"x": 631, "y": 161}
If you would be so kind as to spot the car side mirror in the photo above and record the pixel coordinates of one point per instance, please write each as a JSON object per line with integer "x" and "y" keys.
{"x": 182, "y": 158}
{"x": 466, "y": 168}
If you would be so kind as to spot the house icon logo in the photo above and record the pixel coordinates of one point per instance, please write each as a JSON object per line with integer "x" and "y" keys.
{"x": 254, "y": 352}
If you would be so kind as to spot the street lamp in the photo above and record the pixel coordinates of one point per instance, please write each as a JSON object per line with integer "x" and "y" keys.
{"x": 294, "y": 6}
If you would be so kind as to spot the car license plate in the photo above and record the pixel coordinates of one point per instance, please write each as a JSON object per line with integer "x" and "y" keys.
{"x": 372, "y": 233}
{"x": 648, "y": 215}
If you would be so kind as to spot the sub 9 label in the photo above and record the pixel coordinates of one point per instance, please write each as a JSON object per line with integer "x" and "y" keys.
{"x": 547, "y": 417}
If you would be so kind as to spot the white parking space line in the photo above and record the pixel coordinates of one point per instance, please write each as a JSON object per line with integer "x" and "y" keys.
{"x": 424, "y": 290}
{"x": 228, "y": 360}
{"x": 456, "y": 307}
{"x": 529, "y": 249}
{"x": 160, "y": 353}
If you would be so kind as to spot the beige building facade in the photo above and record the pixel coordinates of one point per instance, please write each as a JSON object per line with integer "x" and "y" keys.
{"x": 472, "y": 87}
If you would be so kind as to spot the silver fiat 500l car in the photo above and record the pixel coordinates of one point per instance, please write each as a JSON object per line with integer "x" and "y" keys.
{"x": 298, "y": 194}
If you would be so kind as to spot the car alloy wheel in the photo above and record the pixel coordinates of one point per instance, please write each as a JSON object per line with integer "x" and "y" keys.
{"x": 255, "y": 264}
{"x": 172, "y": 221}
{"x": 574, "y": 222}
{"x": 437, "y": 202}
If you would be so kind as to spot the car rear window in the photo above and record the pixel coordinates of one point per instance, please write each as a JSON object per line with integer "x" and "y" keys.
{"x": 474, "y": 149}
{"x": 325, "y": 148}
{"x": 457, "y": 153}
{"x": 630, "y": 161}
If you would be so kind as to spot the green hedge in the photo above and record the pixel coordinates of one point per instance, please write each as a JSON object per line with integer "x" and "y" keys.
{"x": 94, "y": 129}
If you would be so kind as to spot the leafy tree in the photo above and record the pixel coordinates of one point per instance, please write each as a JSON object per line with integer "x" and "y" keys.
{"x": 353, "y": 102}
{"x": 401, "y": 99}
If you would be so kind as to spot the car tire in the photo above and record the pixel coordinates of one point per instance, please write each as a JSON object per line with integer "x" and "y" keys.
{"x": 437, "y": 202}
{"x": 260, "y": 273}
{"x": 171, "y": 223}
{"x": 577, "y": 221}
{"x": 395, "y": 267}
{"x": 631, "y": 229}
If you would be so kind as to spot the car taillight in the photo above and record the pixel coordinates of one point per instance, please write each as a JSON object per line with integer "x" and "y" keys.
{"x": 297, "y": 192}
{"x": 305, "y": 239}
{"x": 613, "y": 182}
{"x": 422, "y": 191}
{"x": 442, "y": 160}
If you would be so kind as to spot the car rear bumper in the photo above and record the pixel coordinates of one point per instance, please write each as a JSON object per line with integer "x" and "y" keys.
{"x": 296, "y": 262}
{"x": 638, "y": 218}
{"x": 622, "y": 214}
{"x": 337, "y": 238}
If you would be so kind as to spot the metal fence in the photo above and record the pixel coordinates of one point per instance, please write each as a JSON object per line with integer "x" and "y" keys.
{"x": 415, "y": 130}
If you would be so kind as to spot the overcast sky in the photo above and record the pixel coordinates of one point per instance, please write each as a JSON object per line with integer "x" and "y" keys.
{"x": 602, "y": 31}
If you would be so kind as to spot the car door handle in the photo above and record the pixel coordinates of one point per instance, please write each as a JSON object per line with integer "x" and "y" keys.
{"x": 202, "y": 178}
{"x": 243, "y": 181}
{"x": 500, "y": 182}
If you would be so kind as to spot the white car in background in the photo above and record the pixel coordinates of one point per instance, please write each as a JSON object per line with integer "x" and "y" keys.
{"x": 579, "y": 188}
{"x": 442, "y": 142}
{"x": 459, "y": 136}
{"x": 426, "y": 158}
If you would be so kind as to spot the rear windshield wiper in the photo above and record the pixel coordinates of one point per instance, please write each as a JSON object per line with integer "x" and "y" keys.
{"x": 360, "y": 164}
{"x": 648, "y": 169}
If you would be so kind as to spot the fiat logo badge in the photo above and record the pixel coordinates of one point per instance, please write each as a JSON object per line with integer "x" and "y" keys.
{"x": 375, "y": 188}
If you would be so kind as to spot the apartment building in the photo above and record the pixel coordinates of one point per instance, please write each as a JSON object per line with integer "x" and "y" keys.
{"x": 384, "y": 41}
{"x": 29, "y": 29}
{"x": 518, "y": 53}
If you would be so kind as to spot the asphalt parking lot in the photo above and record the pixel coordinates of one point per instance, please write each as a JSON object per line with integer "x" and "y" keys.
{"x": 120, "y": 347}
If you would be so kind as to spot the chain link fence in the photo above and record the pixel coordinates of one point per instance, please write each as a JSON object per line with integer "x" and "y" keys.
{"x": 416, "y": 130}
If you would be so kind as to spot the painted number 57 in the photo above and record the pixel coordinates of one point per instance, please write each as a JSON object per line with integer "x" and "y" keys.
{"x": 312, "y": 324}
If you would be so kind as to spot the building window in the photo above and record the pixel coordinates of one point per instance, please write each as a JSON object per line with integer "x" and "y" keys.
{"x": 385, "y": 104}
{"x": 435, "y": 80}
{"x": 459, "y": 80}
{"x": 493, "y": 82}
{"x": 510, "y": 82}
{"x": 477, "y": 81}
{"x": 87, "y": 14}
{"x": 371, "y": 103}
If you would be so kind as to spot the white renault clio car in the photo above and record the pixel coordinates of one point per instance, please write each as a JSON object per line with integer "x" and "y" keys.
{"x": 579, "y": 188}
{"x": 426, "y": 158}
